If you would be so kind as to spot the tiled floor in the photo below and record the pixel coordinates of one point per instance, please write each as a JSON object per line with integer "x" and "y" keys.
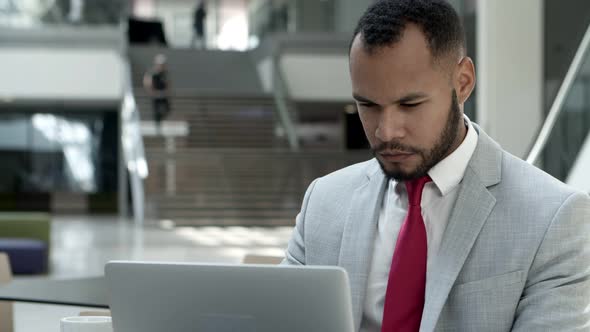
{"x": 82, "y": 245}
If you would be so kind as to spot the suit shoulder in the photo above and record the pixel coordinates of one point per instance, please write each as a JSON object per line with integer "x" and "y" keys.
{"x": 349, "y": 176}
{"x": 532, "y": 181}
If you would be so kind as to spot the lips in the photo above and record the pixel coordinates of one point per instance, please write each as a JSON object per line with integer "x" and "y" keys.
{"x": 395, "y": 156}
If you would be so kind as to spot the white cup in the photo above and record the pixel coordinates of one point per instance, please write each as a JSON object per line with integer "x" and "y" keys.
{"x": 86, "y": 324}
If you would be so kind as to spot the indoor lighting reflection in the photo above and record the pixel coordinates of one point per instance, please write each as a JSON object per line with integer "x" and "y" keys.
{"x": 234, "y": 34}
{"x": 75, "y": 140}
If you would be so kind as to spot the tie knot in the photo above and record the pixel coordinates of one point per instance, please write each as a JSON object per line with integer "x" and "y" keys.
{"x": 414, "y": 188}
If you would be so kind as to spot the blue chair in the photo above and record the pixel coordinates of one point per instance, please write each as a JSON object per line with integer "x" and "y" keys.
{"x": 27, "y": 256}
{"x": 25, "y": 237}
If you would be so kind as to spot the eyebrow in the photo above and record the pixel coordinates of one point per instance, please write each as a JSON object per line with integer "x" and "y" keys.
{"x": 362, "y": 99}
{"x": 403, "y": 100}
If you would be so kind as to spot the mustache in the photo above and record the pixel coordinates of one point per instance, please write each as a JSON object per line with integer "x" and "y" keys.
{"x": 394, "y": 145}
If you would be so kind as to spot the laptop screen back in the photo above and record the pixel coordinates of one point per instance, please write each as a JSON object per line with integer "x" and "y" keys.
{"x": 155, "y": 297}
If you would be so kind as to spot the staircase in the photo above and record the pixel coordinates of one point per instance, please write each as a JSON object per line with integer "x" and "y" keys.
{"x": 213, "y": 122}
{"x": 246, "y": 187}
{"x": 229, "y": 168}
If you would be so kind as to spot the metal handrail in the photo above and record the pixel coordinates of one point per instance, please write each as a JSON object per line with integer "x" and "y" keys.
{"x": 559, "y": 101}
{"x": 280, "y": 97}
{"x": 133, "y": 149}
{"x": 131, "y": 139}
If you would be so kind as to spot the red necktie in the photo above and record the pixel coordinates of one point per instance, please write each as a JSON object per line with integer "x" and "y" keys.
{"x": 404, "y": 298}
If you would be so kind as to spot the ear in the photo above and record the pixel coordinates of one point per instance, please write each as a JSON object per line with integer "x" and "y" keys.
{"x": 464, "y": 81}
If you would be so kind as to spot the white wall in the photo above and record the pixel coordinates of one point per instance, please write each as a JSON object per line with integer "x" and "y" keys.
{"x": 317, "y": 77}
{"x": 57, "y": 74}
{"x": 510, "y": 71}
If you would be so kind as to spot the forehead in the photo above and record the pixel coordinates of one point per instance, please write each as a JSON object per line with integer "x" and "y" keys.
{"x": 404, "y": 67}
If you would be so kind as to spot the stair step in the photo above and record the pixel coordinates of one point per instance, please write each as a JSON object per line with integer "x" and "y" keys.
{"x": 229, "y": 204}
{"x": 172, "y": 214}
{"x": 213, "y": 195}
{"x": 242, "y": 221}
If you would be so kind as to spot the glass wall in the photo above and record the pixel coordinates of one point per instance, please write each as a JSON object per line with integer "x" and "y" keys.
{"x": 211, "y": 24}
{"x": 49, "y": 152}
{"x": 564, "y": 30}
{"x": 31, "y": 13}
{"x": 267, "y": 17}
{"x": 279, "y": 16}
{"x": 571, "y": 128}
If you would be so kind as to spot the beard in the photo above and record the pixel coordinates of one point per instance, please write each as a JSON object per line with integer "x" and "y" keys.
{"x": 430, "y": 157}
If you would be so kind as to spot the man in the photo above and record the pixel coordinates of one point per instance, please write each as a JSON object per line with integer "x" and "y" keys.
{"x": 156, "y": 82}
{"x": 442, "y": 230}
{"x": 199, "y": 16}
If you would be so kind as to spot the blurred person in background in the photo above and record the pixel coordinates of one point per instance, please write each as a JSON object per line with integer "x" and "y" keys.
{"x": 157, "y": 84}
{"x": 199, "y": 16}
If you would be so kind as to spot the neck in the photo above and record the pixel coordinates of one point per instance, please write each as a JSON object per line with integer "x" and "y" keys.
{"x": 461, "y": 133}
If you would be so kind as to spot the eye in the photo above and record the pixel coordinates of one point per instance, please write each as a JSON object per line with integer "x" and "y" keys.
{"x": 366, "y": 105}
{"x": 410, "y": 105}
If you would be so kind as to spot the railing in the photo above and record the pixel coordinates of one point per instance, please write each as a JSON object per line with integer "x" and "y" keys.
{"x": 280, "y": 92}
{"x": 133, "y": 149}
{"x": 558, "y": 105}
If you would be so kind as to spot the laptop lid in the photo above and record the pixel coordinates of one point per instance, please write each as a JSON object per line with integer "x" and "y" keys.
{"x": 155, "y": 297}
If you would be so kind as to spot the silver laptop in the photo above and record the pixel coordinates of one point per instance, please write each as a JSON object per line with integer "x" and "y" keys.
{"x": 156, "y": 297}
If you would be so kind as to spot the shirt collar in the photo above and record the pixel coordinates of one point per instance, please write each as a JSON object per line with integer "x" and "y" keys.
{"x": 448, "y": 173}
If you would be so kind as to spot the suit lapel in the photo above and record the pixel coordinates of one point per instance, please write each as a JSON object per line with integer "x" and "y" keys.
{"x": 359, "y": 236}
{"x": 472, "y": 208}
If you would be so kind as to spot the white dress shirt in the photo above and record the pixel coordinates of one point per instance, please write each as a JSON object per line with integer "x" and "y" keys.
{"x": 438, "y": 199}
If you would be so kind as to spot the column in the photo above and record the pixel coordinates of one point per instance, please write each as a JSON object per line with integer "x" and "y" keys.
{"x": 509, "y": 66}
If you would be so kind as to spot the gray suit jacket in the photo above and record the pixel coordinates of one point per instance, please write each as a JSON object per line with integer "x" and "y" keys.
{"x": 515, "y": 254}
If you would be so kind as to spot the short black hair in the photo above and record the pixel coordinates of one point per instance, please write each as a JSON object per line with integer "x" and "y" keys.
{"x": 384, "y": 22}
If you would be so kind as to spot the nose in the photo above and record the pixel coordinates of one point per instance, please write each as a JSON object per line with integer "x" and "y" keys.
{"x": 391, "y": 126}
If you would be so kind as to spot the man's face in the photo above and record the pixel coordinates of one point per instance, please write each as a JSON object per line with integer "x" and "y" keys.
{"x": 407, "y": 105}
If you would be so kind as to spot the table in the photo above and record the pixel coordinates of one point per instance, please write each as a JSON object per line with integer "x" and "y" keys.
{"x": 81, "y": 292}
